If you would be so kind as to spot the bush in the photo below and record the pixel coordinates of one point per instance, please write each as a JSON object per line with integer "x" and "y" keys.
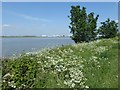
{"x": 108, "y": 29}
{"x": 21, "y": 73}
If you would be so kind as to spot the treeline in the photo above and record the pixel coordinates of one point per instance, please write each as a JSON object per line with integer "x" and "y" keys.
{"x": 84, "y": 26}
{"x": 15, "y": 36}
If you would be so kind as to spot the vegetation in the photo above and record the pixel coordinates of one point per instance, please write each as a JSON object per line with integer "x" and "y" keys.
{"x": 84, "y": 65}
{"x": 83, "y": 26}
{"x": 108, "y": 29}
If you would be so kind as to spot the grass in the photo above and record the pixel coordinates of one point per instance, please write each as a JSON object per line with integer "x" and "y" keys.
{"x": 85, "y": 65}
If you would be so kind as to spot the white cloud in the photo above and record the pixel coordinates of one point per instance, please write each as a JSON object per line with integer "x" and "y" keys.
{"x": 5, "y": 25}
{"x": 34, "y": 18}
{"x": 29, "y": 17}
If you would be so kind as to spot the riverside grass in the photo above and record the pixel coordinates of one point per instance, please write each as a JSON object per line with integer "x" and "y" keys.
{"x": 84, "y": 65}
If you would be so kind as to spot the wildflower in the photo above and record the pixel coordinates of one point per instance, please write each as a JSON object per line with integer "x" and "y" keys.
{"x": 73, "y": 85}
{"x": 66, "y": 76}
{"x": 31, "y": 58}
{"x": 4, "y": 81}
{"x": 98, "y": 66}
{"x": 39, "y": 62}
{"x": 7, "y": 75}
{"x": 65, "y": 82}
{"x": 12, "y": 84}
{"x": 23, "y": 85}
{"x": 86, "y": 87}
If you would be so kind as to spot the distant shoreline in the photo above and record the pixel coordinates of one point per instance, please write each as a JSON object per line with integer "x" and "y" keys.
{"x": 32, "y": 36}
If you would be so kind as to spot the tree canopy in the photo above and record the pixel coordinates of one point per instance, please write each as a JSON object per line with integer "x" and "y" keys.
{"x": 108, "y": 29}
{"x": 83, "y": 26}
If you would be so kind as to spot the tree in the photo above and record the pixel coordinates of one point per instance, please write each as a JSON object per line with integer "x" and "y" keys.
{"x": 108, "y": 29}
{"x": 83, "y": 26}
{"x": 92, "y": 25}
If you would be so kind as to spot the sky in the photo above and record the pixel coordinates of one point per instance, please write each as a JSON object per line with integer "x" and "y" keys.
{"x": 48, "y": 18}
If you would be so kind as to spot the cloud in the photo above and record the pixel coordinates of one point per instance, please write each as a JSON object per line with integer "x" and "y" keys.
{"x": 33, "y": 18}
{"x": 5, "y": 25}
{"x": 29, "y": 17}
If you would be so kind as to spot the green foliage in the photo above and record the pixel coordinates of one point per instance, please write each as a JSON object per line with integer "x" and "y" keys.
{"x": 20, "y": 72}
{"x": 83, "y": 26}
{"x": 108, "y": 29}
{"x": 72, "y": 66}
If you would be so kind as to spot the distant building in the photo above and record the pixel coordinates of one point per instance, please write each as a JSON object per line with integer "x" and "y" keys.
{"x": 43, "y": 35}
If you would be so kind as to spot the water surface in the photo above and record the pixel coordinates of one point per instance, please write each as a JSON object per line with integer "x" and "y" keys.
{"x": 16, "y": 46}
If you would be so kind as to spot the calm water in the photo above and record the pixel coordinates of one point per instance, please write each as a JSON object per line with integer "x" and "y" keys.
{"x": 12, "y": 46}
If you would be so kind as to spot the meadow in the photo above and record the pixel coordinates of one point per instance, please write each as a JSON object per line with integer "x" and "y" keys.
{"x": 83, "y": 65}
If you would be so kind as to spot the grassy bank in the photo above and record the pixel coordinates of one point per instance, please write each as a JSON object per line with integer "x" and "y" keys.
{"x": 85, "y": 65}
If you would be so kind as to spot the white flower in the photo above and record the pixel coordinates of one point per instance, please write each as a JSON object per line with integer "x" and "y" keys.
{"x": 31, "y": 58}
{"x": 12, "y": 84}
{"x": 65, "y": 82}
{"x": 86, "y": 87}
{"x": 98, "y": 66}
{"x": 7, "y": 75}
{"x": 66, "y": 76}
{"x": 39, "y": 62}
{"x": 73, "y": 85}
{"x": 23, "y": 85}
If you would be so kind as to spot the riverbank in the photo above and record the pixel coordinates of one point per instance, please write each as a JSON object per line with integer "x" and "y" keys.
{"x": 70, "y": 66}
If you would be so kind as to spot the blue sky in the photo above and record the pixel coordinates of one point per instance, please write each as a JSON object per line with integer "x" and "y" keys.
{"x": 49, "y": 18}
